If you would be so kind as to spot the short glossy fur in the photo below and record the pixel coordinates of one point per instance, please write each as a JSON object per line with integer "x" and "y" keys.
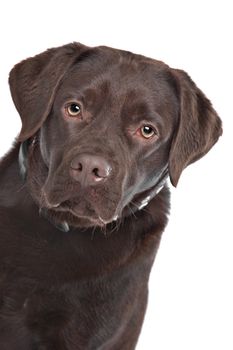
{"x": 87, "y": 288}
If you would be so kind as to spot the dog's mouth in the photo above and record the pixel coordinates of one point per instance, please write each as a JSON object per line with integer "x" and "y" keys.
{"x": 81, "y": 212}
{"x": 84, "y": 213}
{"x": 88, "y": 207}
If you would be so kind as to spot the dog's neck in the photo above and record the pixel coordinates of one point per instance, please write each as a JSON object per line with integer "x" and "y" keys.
{"x": 142, "y": 200}
{"x": 145, "y": 197}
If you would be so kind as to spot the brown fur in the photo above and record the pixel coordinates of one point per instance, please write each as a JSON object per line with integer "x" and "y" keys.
{"x": 87, "y": 288}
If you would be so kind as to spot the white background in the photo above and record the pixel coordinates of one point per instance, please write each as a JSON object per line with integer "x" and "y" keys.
{"x": 191, "y": 291}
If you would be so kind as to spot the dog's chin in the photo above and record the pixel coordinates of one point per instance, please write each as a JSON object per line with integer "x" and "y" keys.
{"x": 79, "y": 216}
{"x": 89, "y": 209}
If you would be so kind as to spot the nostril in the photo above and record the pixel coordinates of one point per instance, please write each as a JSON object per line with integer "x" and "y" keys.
{"x": 96, "y": 172}
{"x": 103, "y": 171}
{"x": 80, "y": 167}
{"x": 76, "y": 166}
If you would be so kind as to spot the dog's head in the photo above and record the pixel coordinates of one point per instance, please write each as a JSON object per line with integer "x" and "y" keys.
{"x": 104, "y": 126}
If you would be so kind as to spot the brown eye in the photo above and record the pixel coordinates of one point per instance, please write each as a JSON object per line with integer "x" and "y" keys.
{"x": 73, "y": 109}
{"x": 147, "y": 131}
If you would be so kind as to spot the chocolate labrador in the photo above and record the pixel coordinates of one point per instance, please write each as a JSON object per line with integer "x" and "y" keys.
{"x": 84, "y": 197}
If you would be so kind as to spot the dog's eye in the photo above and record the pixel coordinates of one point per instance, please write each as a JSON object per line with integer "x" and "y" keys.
{"x": 73, "y": 109}
{"x": 147, "y": 131}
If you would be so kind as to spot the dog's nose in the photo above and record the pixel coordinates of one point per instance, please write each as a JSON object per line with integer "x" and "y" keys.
{"x": 89, "y": 169}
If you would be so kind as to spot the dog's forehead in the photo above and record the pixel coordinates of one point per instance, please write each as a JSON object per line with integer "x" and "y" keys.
{"x": 119, "y": 71}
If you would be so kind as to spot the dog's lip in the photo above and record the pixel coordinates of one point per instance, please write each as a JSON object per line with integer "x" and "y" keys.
{"x": 105, "y": 222}
{"x": 55, "y": 205}
{"x": 48, "y": 203}
{"x": 95, "y": 218}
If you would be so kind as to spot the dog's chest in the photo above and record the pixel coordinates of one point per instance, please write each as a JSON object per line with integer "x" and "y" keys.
{"x": 78, "y": 315}
{"x": 62, "y": 301}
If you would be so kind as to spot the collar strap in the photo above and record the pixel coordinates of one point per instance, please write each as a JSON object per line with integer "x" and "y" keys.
{"x": 143, "y": 200}
{"x": 23, "y": 158}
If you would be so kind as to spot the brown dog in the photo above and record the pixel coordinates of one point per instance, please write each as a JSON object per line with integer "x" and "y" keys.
{"x": 83, "y": 195}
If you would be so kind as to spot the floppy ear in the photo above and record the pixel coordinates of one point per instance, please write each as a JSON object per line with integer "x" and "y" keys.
{"x": 33, "y": 83}
{"x": 199, "y": 126}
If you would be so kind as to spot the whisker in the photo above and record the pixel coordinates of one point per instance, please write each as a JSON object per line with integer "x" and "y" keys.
{"x": 132, "y": 212}
{"x": 103, "y": 230}
{"x": 21, "y": 188}
{"x": 133, "y": 204}
{"x": 114, "y": 229}
{"x": 93, "y": 233}
{"x": 116, "y": 226}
